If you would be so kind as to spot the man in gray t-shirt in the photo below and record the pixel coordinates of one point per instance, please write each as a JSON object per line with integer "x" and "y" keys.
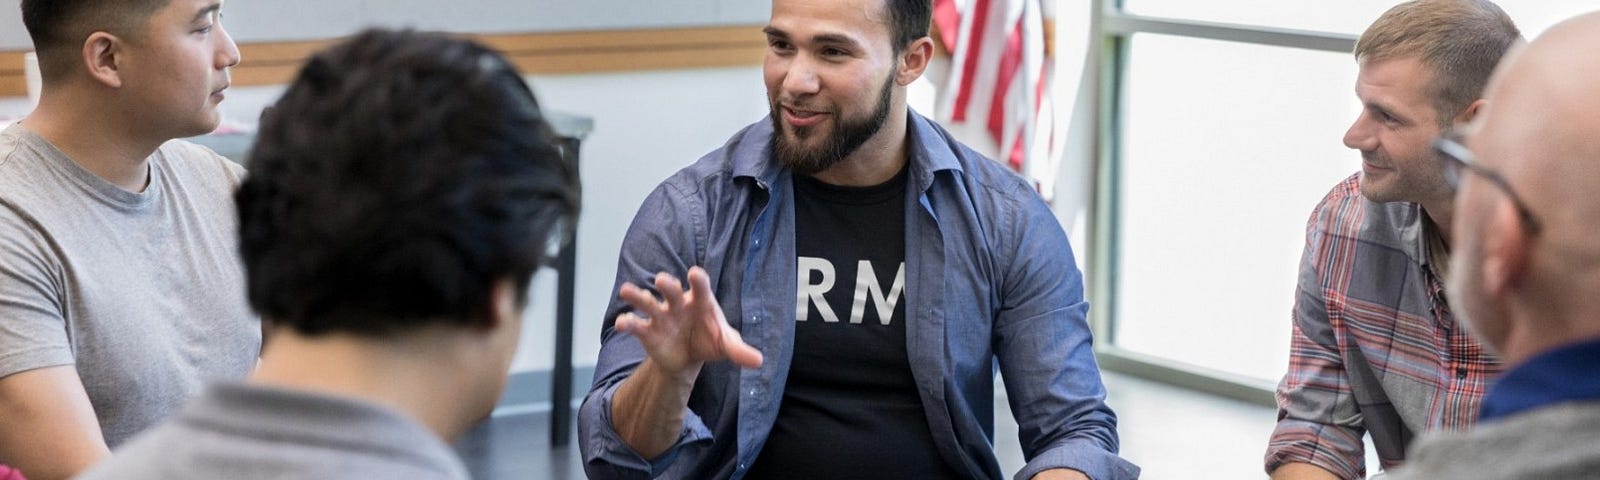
{"x": 391, "y": 245}
{"x": 121, "y": 291}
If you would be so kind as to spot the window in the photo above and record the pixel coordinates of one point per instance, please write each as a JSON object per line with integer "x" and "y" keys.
{"x": 1223, "y": 154}
{"x": 1221, "y": 128}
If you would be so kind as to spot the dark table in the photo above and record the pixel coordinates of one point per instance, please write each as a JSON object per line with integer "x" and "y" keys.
{"x": 572, "y": 129}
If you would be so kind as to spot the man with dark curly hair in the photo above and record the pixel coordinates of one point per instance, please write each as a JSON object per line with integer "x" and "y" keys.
{"x": 402, "y": 193}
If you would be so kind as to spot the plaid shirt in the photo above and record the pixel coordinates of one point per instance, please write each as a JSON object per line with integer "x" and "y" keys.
{"x": 1375, "y": 347}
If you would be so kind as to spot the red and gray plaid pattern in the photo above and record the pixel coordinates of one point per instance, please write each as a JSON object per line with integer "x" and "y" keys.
{"x": 1367, "y": 295}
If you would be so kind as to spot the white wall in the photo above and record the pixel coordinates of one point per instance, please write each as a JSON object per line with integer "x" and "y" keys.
{"x": 647, "y": 126}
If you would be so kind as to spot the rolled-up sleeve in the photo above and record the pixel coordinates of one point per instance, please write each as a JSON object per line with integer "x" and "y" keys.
{"x": 1319, "y": 422}
{"x": 606, "y": 456}
{"x": 662, "y": 238}
{"x": 1046, "y": 356}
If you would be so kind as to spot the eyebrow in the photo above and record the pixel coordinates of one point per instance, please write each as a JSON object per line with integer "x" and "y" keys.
{"x": 205, "y": 12}
{"x": 823, "y": 38}
{"x": 1387, "y": 111}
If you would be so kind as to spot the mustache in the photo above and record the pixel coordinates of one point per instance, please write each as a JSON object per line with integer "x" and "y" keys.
{"x": 1375, "y": 158}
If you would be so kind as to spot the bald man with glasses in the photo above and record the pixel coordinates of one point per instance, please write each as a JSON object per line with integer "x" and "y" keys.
{"x": 1527, "y": 265}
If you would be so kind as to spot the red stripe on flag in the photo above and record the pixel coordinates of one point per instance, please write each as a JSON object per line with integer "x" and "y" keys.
{"x": 980, "y": 17}
{"x": 1018, "y": 153}
{"x": 1010, "y": 62}
{"x": 948, "y": 18}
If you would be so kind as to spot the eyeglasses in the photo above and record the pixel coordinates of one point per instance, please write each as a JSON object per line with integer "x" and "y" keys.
{"x": 1456, "y": 157}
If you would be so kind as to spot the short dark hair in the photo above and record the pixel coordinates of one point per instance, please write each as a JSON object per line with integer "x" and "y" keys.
{"x": 1459, "y": 41}
{"x": 59, "y": 27}
{"x": 909, "y": 21}
{"x": 398, "y": 178}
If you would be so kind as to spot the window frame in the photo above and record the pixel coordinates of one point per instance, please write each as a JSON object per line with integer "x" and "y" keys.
{"x": 1111, "y": 29}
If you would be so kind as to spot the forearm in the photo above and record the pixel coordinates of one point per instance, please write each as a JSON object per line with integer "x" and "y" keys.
{"x": 50, "y": 431}
{"x": 53, "y": 458}
{"x": 1302, "y": 471}
{"x": 647, "y": 409}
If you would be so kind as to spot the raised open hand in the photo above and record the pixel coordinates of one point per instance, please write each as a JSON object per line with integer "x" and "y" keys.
{"x": 684, "y": 329}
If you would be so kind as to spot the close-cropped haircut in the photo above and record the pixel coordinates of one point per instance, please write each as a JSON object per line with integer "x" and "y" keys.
{"x": 909, "y": 21}
{"x": 1459, "y": 41}
{"x": 59, "y": 27}
{"x": 398, "y": 179}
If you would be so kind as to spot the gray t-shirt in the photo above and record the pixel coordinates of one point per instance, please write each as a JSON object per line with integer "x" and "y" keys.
{"x": 142, "y": 292}
{"x": 1554, "y": 442}
{"x": 249, "y": 432}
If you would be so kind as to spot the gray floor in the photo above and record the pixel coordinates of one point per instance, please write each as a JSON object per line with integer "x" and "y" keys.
{"x": 1172, "y": 433}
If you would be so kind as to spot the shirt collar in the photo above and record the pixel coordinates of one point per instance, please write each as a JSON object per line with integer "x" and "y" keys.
{"x": 1565, "y": 374}
{"x": 930, "y": 149}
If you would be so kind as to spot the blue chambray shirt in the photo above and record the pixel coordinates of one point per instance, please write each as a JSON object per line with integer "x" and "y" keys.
{"x": 991, "y": 284}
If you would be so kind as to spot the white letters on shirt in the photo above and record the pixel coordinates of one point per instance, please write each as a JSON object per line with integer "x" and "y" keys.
{"x": 809, "y": 294}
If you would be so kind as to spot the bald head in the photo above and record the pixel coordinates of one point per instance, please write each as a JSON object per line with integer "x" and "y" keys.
{"x": 1523, "y": 289}
{"x": 1541, "y": 128}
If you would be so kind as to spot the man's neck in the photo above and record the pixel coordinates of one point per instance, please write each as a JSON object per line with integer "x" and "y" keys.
{"x": 1545, "y": 311}
{"x": 420, "y": 377}
{"x": 876, "y": 161}
{"x": 95, "y": 139}
{"x": 1440, "y": 212}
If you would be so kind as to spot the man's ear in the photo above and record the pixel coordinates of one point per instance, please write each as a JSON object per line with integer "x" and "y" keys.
{"x": 1469, "y": 113}
{"x": 1506, "y": 250}
{"x": 914, "y": 60}
{"x": 101, "y": 52}
{"x": 504, "y": 304}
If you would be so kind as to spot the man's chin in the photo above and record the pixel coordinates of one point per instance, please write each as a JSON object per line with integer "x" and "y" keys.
{"x": 202, "y": 128}
{"x": 1376, "y": 190}
{"x": 799, "y": 135}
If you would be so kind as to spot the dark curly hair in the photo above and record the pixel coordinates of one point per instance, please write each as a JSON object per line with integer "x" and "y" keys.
{"x": 398, "y": 178}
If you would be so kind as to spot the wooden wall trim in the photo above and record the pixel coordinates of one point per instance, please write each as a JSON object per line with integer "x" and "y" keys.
{"x": 12, "y": 83}
{"x": 599, "y": 51}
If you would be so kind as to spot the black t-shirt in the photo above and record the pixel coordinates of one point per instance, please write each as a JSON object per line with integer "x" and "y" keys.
{"x": 850, "y": 407}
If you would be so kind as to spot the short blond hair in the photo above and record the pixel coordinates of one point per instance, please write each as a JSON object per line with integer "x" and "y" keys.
{"x": 1459, "y": 41}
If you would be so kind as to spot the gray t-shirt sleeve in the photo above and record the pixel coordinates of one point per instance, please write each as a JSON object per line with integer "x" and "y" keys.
{"x": 33, "y": 331}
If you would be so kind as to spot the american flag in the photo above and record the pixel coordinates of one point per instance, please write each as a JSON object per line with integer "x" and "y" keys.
{"x": 1001, "y": 77}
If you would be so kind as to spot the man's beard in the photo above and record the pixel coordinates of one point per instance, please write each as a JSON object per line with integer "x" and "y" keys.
{"x": 845, "y": 138}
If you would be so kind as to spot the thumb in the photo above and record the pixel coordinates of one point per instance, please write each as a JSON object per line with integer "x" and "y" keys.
{"x": 738, "y": 352}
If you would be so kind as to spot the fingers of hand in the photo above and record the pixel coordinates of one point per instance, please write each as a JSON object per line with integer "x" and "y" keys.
{"x": 641, "y": 300}
{"x": 671, "y": 290}
{"x": 630, "y": 323}
{"x": 738, "y": 352}
{"x": 700, "y": 285}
